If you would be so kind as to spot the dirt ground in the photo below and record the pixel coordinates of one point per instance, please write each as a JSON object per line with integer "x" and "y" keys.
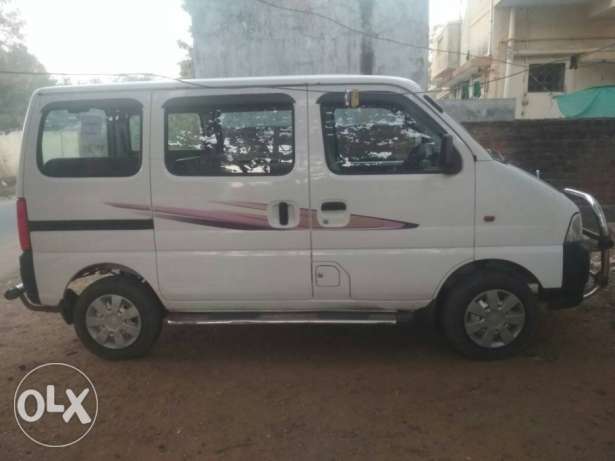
{"x": 294, "y": 392}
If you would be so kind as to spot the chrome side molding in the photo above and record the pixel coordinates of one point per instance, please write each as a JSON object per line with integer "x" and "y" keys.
{"x": 276, "y": 318}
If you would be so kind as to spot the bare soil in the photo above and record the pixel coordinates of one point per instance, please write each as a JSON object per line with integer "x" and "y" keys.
{"x": 295, "y": 392}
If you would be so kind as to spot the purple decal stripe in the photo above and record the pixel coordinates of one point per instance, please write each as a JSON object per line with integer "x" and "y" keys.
{"x": 141, "y": 209}
{"x": 372, "y": 223}
{"x": 215, "y": 218}
{"x": 250, "y": 221}
{"x": 251, "y": 205}
{"x": 357, "y": 222}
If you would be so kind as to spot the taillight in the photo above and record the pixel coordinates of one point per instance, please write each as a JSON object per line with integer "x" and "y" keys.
{"x": 22, "y": 224}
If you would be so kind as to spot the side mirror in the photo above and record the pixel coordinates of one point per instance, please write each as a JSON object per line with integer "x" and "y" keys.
{"x": 450, "y": 160}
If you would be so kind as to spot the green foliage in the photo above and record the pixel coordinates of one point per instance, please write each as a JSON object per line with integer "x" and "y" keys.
{"x": 10, "y": 25}
{"x": 186, "y": 69}
{"x": 184, "y": 131}
{"x": 15, "y": 90}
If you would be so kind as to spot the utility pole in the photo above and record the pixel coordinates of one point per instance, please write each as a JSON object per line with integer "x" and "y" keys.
{"x": 366, "y": 62}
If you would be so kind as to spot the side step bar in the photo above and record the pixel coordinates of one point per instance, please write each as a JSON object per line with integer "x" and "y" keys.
{"x": 255, "y": 318}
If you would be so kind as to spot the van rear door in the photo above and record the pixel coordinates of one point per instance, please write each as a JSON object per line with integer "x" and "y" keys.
{"x": 85, "y": 152}
{"x": 389, "y": 224}
{"x": 230, "y": 188}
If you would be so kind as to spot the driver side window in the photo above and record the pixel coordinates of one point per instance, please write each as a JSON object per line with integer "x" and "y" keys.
{"x": 380, "y": 138}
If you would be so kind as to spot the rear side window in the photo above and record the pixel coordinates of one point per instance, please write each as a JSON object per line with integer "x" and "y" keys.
{"x": 97, "y": 139}
{"x": 383, "y": 135}
{"x": 219, "y": 138}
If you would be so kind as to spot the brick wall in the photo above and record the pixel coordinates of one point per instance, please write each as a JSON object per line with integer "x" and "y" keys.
{"x": 574, "y": 153}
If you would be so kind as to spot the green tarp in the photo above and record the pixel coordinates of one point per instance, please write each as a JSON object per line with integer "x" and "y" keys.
{"x": 596, "y": 102}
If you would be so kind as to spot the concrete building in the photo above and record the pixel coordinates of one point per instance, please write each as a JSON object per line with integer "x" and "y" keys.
{"x": 501, "y": 38}
{"x": 248, "y": 38}
{"x": 445, "y": 37}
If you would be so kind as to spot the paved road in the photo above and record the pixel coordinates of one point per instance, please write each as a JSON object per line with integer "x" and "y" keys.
{"x": 9, "y": 243}
{"x": 7, "y": 220}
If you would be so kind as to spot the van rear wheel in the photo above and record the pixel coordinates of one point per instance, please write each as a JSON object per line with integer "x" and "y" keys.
{"x": 490, "y": 315}
{"x": 118, "y": 318}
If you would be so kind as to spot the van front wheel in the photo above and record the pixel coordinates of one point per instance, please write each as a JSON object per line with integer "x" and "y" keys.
{"x": 490, "y": 316}
{"x": 118, "y": 318}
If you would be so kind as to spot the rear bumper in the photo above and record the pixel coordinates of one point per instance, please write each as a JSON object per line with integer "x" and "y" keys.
{"x": 27, "y": 290}
{"x": 26, "y": 269}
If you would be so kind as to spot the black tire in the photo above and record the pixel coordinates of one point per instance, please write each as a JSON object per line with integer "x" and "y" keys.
{"x": 146, "y": 303}
{"x": 458, "y": 299}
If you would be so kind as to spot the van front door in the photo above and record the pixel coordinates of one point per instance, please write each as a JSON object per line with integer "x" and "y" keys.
{"x": 389, "y": 224}
{"x": 228, "y": 188}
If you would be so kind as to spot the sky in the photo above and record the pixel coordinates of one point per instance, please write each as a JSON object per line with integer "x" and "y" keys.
{"x": 443, "y": 11}
{"x": 107, "y": 36}
{"x": 124, "y": 36}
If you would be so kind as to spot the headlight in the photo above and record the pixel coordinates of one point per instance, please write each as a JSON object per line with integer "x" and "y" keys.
{"x": 575, "y": 229}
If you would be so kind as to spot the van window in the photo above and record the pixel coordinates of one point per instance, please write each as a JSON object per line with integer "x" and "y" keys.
{"x": 134, "y": 126}
{"x": 232, "y": 140}
{"x": 90, "y": 140}
{"x": 380, "y": 137}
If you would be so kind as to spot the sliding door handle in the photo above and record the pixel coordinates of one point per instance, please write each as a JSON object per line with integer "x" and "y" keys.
{"x": 333, "y": 206}
{"x": 283, "y": 213}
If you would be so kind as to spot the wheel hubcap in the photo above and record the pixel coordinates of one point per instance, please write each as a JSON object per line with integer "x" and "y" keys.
{"x": 113, "y": 321}
{"x": 494, "y": 318}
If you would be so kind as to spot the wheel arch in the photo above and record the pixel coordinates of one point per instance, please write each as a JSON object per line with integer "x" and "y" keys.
{"x": 473, "y": 267}
{"x": 96, "y": 272}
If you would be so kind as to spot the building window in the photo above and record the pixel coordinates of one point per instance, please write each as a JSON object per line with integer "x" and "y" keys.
{"x": 381, "y": 136}
{"x": 547, "y": 78}
{"x": 465, "y": 90}
{"x": 476, "y": 89}
{"x": 230, "y": 139}
{"x": 98, "y": 139}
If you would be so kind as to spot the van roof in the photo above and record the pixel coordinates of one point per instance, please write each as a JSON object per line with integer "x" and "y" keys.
{"x": 293, "y": 80}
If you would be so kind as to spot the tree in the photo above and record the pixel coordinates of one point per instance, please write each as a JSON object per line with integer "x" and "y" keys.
{"x": 16, "y": 90}
{"x": 10, "y": 25}
{"x": 186, "y": 69}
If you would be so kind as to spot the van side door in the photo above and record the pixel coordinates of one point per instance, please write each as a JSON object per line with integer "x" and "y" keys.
{"x": 388, "y": 222}
{"x": 229, "y": 185}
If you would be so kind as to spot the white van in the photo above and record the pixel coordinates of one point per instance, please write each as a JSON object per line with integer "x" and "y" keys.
{"x": 320, "y": 199}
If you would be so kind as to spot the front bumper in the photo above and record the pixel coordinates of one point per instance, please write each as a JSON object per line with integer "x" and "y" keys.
{"x": 598, "y": 241}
